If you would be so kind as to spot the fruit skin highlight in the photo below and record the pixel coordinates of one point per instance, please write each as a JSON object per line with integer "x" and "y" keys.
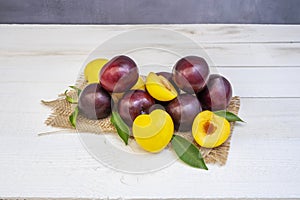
{"x": 153, "y": 132}
{"x": 92, "y": 69}
{"x": 217, "y": 93}
{"x": 183, "y": 110}
{"x": 134, "y": 103}
{"x": 210, "y": 130}
{"x": 191, "y": 73}
{"x": 94, "y": 102}
{"x": 160, "y": 88}
{"x": 119, "y": 74}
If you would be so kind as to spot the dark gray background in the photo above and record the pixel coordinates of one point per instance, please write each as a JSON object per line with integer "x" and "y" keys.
{"x": 149, "y": 11}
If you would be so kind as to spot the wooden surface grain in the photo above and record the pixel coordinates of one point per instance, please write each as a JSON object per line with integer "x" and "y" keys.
{"x": 39, "y": 62}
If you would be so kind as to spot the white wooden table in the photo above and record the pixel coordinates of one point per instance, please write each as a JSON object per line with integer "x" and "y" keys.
{"x": 38, "y": 62}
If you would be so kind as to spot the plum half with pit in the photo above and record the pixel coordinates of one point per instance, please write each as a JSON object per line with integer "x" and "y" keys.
{"x": 169, "y": 77}
{"x": 183, "y": 110}
{"x": 134, "y": 103}
{"x": 94, "y": 102}
{"x": 217, "y": 93}
{"x": 119, "y": 74}
{"x": 191, "y": 73}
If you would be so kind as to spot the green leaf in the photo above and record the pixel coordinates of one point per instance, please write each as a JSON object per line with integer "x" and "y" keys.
{"x": 70, "y": 99}
{"x": 188, "y": 152}
{"x": 76, "y": 88}
{"x": 228, "y": 115}
{"x": 73, "y": 117}
{"x": 122, "y": 128}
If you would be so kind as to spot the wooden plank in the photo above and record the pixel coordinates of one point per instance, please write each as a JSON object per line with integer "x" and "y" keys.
{"x": 89, "y": 35}
{"x": 264, "y": 82}
{"x": 225, "y": 45}
{"x": 222, "y": 55}
{"x": 263, "y": 162}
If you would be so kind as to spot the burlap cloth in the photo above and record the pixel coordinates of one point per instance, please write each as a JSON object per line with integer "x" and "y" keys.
{"x": 62, "y": 109}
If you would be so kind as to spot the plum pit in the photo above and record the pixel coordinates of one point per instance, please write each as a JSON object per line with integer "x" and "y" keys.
{"x": 209, "y": 128}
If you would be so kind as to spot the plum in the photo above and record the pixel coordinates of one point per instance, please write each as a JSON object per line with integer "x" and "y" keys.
{"x": 217, "y": 93}
{"x": 119, "y": 74}
{"x": 169, "y": 77}
{"x": 134, "y": 103}
{"x": 94, "y": 102}
{"x": 160, "y": 88}
{"x": 183, "y": 110}
{"x": 153, "y": 132}
{"x": 210, "y": 130}
{"x": 191, "y": 73}
{"x": 158, "y": 106}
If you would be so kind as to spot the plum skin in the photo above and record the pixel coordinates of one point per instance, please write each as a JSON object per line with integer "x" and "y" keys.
{"x": 134, "y": 103}
{"x": 119, "y": 74}
{"x": 183, "y": 110}
{"x": 191, "y": 73}
{"x": 217, "y": 93}
{"x": 94, "y": 102}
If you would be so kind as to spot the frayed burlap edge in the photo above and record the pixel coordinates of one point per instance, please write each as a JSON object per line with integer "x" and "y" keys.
{"x": 61, "y": 110}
